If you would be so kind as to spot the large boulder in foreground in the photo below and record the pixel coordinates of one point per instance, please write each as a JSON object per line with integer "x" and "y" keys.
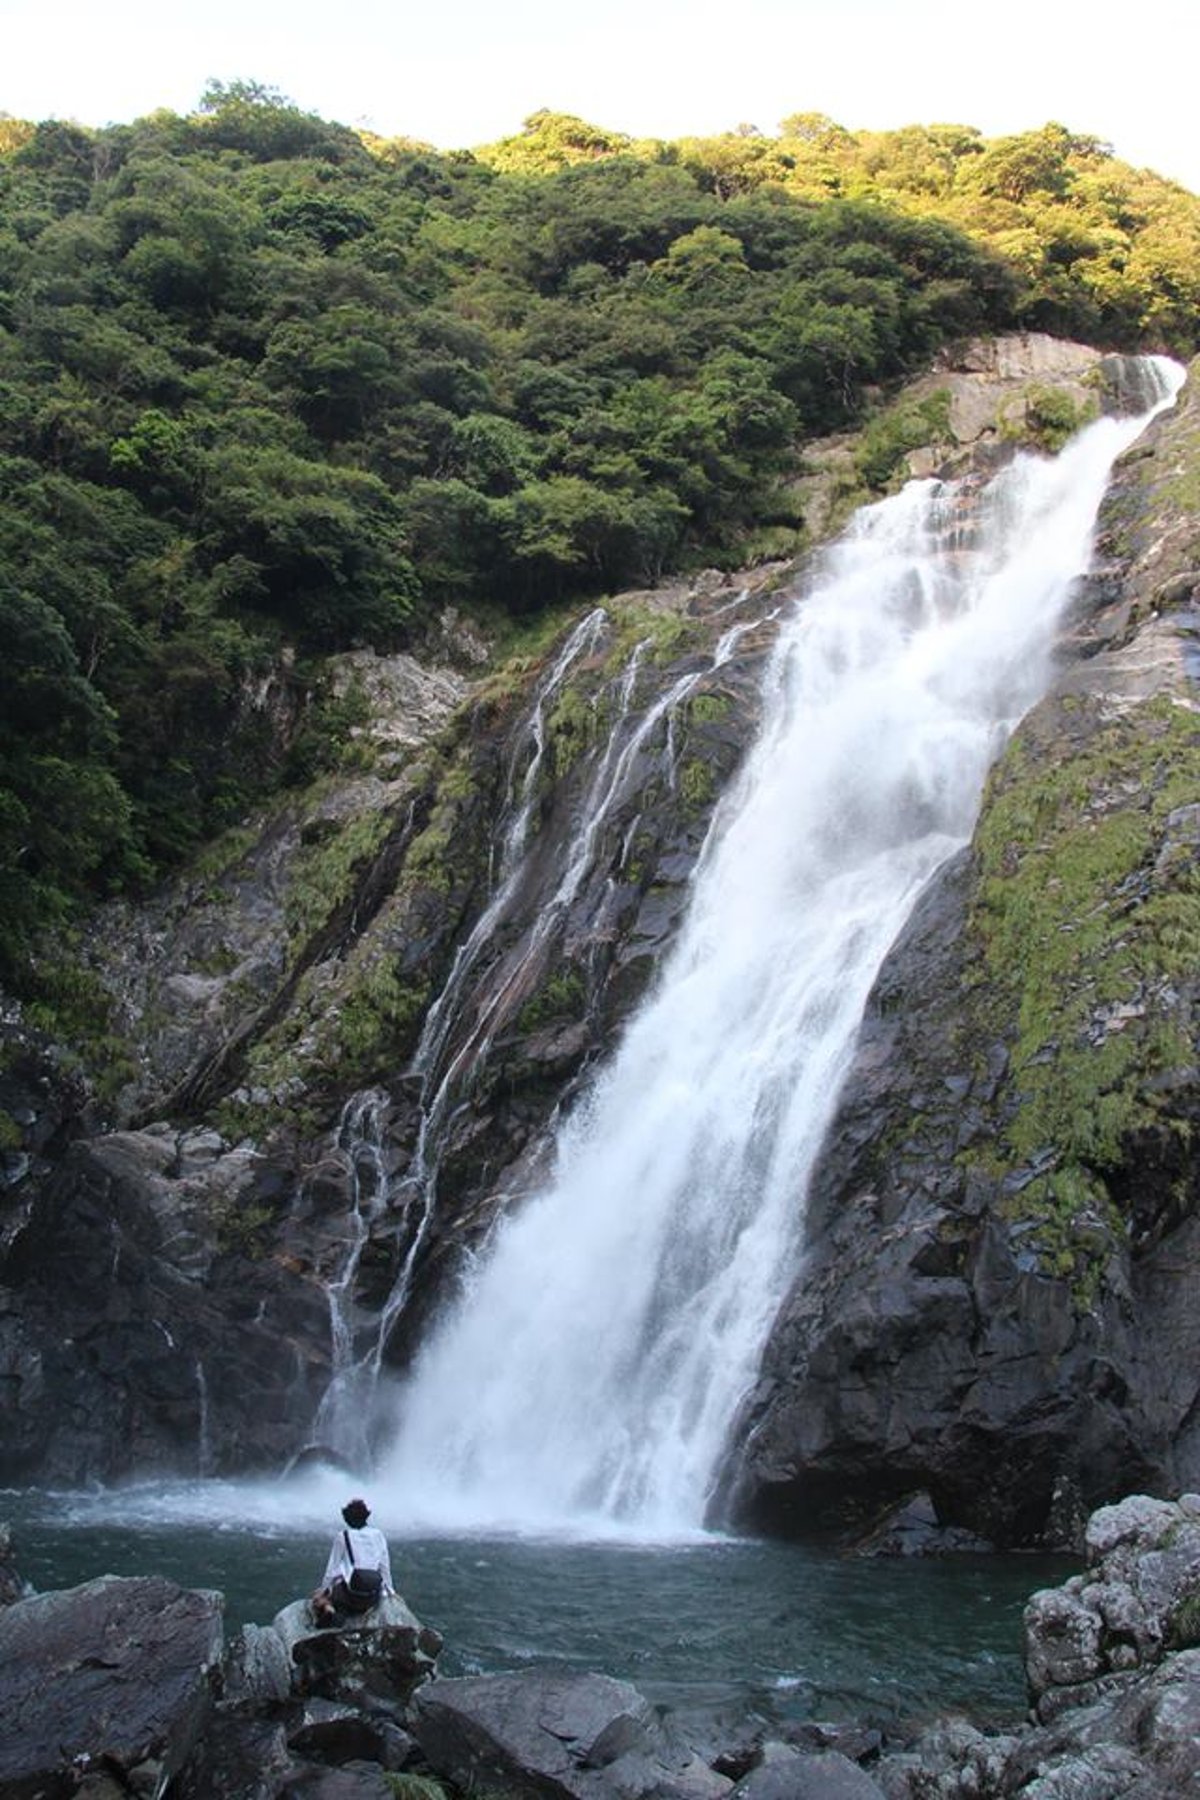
{"x": 582, "y": 1737}
{"x": 119, "y": 1672}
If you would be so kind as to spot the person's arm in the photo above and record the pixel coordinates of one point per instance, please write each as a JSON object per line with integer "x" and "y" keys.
{"x": 385, "y": 1565}
{"x": 337, "y": 1562}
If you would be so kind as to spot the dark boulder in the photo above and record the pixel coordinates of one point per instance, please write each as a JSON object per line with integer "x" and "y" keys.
{"x": 786, "y": 1774}
{"x": 258, "y": 1669}
{"x": 581, "y": 1737}
{"x": 328, "y": 1731}
{"x": 374, "y": 1662}
{"x": 353, "y": 1781}
{"x": 117, "y": 1675}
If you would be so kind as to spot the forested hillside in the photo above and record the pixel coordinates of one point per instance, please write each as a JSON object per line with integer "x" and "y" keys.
{"x": 269, "y": 388}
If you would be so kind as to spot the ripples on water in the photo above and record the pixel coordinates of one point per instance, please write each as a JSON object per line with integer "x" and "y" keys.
{"x": 786, "y": 1630}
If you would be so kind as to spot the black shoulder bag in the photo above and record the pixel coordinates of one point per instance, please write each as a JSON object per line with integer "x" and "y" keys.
{"x": 364, "y": 1586}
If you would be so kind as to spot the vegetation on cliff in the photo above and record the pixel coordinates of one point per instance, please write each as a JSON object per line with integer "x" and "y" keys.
{"x": 265, "y": 384}
{"x": 1087, "y": 912}
{"x": 1088, "y": 919}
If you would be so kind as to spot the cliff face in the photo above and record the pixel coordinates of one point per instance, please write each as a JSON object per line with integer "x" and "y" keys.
{"x": 345, "y": 1040}
{"x": 443, "y": 939}
{"x": 998, "y": 1300}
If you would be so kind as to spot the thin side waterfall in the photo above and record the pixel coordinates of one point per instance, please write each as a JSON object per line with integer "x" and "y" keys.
{"x": 204, "y": 1455}
{"x": 440, "y": 1020}
{"x": 342, "y": 1417}
{"x": 588, "y": 1377}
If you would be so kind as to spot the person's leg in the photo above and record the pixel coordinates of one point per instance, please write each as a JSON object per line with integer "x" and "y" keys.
{"x": 340, "y": 1596}
{"x": 322, "y": 1608}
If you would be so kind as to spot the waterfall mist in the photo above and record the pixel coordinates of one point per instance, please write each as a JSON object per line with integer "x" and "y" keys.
{"x": 588, "y": 1375}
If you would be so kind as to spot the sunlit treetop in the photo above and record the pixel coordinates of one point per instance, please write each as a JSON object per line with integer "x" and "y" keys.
{"x": 553, "y": 140}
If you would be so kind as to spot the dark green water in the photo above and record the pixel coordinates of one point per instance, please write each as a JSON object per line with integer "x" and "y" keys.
{"x": 786, "y": 1630}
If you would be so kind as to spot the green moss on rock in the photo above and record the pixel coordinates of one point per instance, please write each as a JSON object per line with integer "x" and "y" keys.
{"x": 886, "y": 440}
{"x": 562, "y": 996}
{"x": 1087, "y": 922}
{"x": 326, "y": 868}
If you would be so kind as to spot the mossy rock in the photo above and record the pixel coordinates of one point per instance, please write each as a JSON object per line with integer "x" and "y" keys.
{"x": 1086, "y": 922}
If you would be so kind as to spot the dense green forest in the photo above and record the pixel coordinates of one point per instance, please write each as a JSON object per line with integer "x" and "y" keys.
{"x": 271, "y": 388}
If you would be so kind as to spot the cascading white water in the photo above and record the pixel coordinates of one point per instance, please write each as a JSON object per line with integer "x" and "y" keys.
{"x": 343, "y": 1416}
{"x": 456, "y": 1037}
{"x": 589, "y": 1375}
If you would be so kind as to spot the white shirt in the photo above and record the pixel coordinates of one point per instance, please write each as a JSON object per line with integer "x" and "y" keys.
{"x": 370, "y": 1552}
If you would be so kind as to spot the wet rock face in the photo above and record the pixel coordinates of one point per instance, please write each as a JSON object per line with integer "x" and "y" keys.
{"x": 925, "y": 1346}
{"x": 610, "y": 765}
{"x": 143, "y": 1271}
{"x": 134, "y": 1299}
{"x": 1002, "y": 1231}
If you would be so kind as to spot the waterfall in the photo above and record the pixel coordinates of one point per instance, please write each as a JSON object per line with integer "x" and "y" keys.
{"x": 588, "y": 1376}
{"x": 343, "y": 1417}
{"x": 504, "y": 950}
{"x": 204, "y": 1449}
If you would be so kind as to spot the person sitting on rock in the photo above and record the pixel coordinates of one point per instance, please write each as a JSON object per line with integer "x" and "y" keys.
{"x": 359, "y": 1570}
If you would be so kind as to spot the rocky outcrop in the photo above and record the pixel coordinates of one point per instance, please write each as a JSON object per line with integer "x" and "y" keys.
{"x": 116, "y": 1676}
{"x": 1114, "y": 1679}
{"x": 577, "y": 1737}
{"x": 138, "y": 1288}
{"x": 1137, "y": 1600}
{"x": 1003, "y": 1242}
{"x": 996, "y": 392}
{"x": 123, "y": 1687}
{"x": 981, "y": 400}
{"x": 314, "y": 1712}
{"x": 389, "y": 1653}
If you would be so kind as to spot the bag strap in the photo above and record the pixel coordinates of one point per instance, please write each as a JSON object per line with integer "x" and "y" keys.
{"x": 349, "y": 1550}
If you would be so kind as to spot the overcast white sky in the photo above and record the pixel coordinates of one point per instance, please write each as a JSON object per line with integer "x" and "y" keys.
{"x": 464, "y": 72}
